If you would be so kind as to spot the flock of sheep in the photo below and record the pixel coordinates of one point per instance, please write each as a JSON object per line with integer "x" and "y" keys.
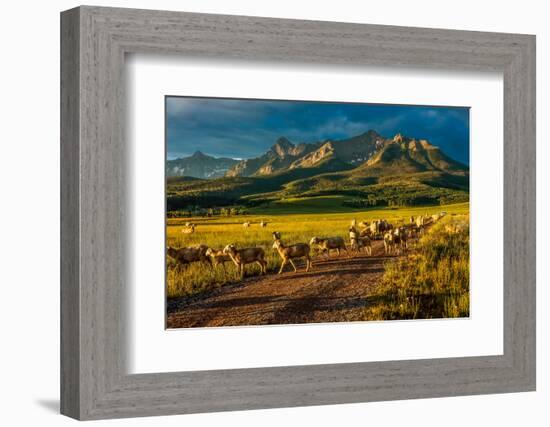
{"x": 396, "y": 241}
{"x": 189, "y": 227}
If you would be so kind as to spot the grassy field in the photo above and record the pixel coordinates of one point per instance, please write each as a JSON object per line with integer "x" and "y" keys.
{"x": 295, "y": 219}
{"x": 433, "y": 281}
{"x": 302, "y": 206}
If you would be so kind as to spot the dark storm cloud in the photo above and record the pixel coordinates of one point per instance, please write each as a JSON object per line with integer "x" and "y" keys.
{"x": 247, "y": 128}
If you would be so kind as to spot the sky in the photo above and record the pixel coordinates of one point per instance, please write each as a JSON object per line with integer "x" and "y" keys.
{"x": 242, "y": 128}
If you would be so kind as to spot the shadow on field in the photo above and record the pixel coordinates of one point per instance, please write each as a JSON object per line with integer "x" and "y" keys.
{"x": 327, "y": 303}
{"x": 321, "y": 273}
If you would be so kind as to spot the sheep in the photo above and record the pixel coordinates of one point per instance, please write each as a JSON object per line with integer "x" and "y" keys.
{"x": 328, "y": 243}
{"x": 388, "y": 243}
{"x": 187, "y": 255}
{"x": 218, "y": 257}
{"x": 365, "y": 242}
{"x": 287, "y": 253}
{"x": 246, "y": 224}
{"x": 366, "y": 233}
{"x": 378, "y": 227}
{"x": 188, "y": 229}
{"x": 412, "y": 234}
{"x": 392, "y": 243}
{"x": 401, "y": 234}
{"x": 398, "y": 244}
{"x": 363, "y": 224}
{"x": 263, "y": 224}
{"x": 373, "y": 228}
{"x": 438, "y": 216}
{"x": 353, "y": 238}
{"x": 361, "y": 240}
{"x": 422, "y": 221}
{"x": 384, "y": 225}
{"x": 241, "y": 257}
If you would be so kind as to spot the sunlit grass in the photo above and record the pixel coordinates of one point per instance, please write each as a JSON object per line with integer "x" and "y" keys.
{"x": 217, "y": 232}
{"x": 433, "y": 282}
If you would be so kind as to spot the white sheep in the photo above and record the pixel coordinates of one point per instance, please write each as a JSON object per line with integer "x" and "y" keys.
{"x": 241, "y": 257}
{"x": 287, "y": 253}
{"x": 187, "y": 255}
{"x": 392, "y": 243}
{"x": 218, "y": 257}
{"x": 188, "y": 229}
{"x": 326, "y": 244}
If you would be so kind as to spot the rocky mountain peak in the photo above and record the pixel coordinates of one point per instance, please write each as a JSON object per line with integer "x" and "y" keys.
{"x": 426, "y": 145}
{"x": 199, "y": 155}
{"x": 366, "y": 149}
{"x": 282, "y": 147}
{"x": 372, "y": 134}
{"x": 199, "y": 165}
{"x": 398, "y": 138}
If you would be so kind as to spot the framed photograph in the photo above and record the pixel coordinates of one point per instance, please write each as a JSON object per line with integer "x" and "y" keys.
{"x": 262, "y": 213}
{"x": 394, "y": 212}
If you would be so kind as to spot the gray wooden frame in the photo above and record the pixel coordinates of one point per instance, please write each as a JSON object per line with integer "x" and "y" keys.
{"x": 94, "y": 41}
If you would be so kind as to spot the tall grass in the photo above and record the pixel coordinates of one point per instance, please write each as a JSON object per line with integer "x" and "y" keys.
{"x": 199, "y": 277}
{"x": 432, "y": 282}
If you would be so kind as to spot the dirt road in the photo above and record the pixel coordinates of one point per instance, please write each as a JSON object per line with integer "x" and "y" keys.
{"x": 336, "y": 289}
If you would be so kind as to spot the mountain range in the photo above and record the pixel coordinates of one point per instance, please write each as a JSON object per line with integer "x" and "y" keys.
{"x": 200, "y": 165}
{"x": 369, "y": 151}
{"x": 368, "y": 165}
{"x": 284, "y": 155}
